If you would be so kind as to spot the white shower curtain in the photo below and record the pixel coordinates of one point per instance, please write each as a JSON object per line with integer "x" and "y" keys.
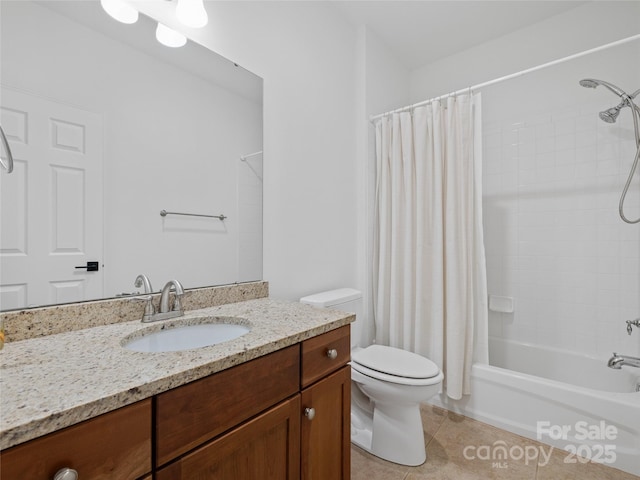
{"x": 429, "y": 273}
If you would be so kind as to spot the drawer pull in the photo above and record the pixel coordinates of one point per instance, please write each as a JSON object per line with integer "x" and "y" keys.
{"x": 66, "y": 474}
{"x": 332, "y": 353}
{"x": 310, "y": 413}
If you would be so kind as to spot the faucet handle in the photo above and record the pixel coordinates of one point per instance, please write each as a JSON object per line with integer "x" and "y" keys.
{"x": 149, "y": 308}
{"x": 635, "y": 322}
{"x": 177, "y": 303}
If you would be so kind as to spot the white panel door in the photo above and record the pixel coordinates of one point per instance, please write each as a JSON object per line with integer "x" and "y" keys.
{"x": 51, "y": 205}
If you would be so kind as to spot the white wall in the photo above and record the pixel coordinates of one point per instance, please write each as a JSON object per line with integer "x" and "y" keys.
{"x": 553, "y": 173}
{"x": 582, "y": 28}
{"x": 306, "y": 54}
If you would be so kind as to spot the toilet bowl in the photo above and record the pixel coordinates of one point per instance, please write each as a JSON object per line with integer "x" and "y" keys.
{"x": 388, "y": 385}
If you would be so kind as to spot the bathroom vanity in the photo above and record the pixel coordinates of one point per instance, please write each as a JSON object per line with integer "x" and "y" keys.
{"x": 272, "y": 404}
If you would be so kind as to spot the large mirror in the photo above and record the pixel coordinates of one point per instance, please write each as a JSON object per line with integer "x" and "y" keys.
{"x": 108, "y": 128}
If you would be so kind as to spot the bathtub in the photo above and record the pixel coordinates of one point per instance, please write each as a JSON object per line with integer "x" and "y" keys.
{"x": 559, "y": 398}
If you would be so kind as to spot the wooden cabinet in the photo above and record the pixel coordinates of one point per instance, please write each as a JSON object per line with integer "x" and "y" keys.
{"x": 114, "y": 445}
{"x": 325, "y": 438}
{"x": 324, "y": 354}
{"x": 306, "y": 436}
{"x": 326, "y": 406}
{"x": 265, "y": 448}
{"x": 194, "y": 413}
{"x": 249, "y": 422}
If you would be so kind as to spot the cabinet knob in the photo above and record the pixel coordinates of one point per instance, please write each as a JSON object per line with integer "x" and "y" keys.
{"x": 310, "y": 413}
{"x": 332, "y": 353}
{"x": 66, "y": 474}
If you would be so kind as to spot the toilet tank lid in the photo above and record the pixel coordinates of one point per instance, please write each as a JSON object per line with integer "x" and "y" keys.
{"x": 332, "y": 297}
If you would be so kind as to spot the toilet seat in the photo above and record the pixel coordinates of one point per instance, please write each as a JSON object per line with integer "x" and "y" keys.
{"x": 395, "y": 365}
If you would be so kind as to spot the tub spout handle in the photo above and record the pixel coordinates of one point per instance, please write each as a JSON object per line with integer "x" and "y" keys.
{"x": 631, "y": 323}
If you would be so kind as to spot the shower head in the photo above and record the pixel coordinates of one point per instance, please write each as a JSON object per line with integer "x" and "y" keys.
{"x": 593, "y": 83}
{"x": 611, "y": 114}
{"x": 588, "y": 83}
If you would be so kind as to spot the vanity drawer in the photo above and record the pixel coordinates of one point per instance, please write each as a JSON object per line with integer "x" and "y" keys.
{"x": 196, "y": 412}
{"x": 319, "y": 358}
{"x": 114, "y": 445}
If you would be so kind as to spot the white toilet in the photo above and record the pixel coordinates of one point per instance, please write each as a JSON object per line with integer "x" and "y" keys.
{"x": 388, "y": 385}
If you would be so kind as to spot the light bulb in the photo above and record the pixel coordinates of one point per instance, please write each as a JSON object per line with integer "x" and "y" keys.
{"x": 120, "y": 11}
{"x": 169, "y": 37}
{"x": 192, "y": 13}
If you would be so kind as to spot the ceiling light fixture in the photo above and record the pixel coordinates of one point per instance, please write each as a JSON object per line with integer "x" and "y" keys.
{"x": 192, "y": 13}
{"x": 169, "y": 37}
{"x": 119, "y": 10}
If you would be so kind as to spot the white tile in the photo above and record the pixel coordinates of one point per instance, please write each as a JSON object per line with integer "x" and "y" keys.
{"x": 608, "y": 151}
{"x": 545, "y": 144}
{"x": 586, "y": 154}
{"x": 585, "y": 139}
{"x": 491, "y": 140}
{"x": 608, "y": 265}
{"x": 565, "y": 126}
{"x": 586, "y": 123}
{"x": 545, "y": 160}
{"x": 544, "y": 130}
{"x": 566, "y": 141}
{"x": 608, "y": 298}
{"x": 526, "y": 135}
{"x": 565, "y": 157}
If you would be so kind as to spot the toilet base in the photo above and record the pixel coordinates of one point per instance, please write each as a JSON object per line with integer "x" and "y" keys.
{"x": 391, "y": 432}
{"x": 361, "y": 432}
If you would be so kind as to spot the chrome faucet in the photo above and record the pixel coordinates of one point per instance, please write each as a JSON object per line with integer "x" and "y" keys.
{"x": 176, "y": 311}
{"x": 635, "y": 322}
{"x": 149, "y": 308}
{"x": 143, "y": 280}
{"x": 618, "y": 361}
{"x": 150, "y": 314}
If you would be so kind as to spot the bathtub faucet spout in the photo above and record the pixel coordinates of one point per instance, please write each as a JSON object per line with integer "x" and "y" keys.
{"x": 617, "y": 361}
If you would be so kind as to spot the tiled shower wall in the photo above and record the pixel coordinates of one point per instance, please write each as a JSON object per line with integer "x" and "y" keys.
{"x": 554, "y": 240}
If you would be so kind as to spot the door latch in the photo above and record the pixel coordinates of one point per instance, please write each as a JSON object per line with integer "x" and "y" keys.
{"x": 90, "y": 266}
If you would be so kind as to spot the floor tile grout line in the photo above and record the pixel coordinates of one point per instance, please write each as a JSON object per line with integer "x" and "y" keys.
{"x": 444, "y": 419}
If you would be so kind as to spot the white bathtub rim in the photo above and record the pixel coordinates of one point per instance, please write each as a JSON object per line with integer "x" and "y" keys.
{"x": 603, "y": 360}
{"x": 483, "y": 370}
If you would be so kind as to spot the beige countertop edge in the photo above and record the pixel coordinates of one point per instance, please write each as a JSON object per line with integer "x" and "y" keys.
{"x": 40, "y": 418}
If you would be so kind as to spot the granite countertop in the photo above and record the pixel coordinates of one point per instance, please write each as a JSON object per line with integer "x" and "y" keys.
{"x": 51, "y": 382}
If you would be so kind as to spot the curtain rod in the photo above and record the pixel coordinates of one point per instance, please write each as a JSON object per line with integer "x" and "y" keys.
{"x": 509, "y": 77}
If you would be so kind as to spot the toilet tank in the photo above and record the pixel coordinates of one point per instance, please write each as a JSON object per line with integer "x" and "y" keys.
{"x": 343, "y": 299}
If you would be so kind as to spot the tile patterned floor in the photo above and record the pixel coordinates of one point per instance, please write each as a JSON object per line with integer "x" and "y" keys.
{"x": 446, "y": 435}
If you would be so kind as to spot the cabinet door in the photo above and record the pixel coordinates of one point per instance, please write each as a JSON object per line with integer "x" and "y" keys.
{"x": 265, "y": 448}
{"x": 190, "y": 415}
{"x": 325, "y": 435}
{"x": 116, "y": 445}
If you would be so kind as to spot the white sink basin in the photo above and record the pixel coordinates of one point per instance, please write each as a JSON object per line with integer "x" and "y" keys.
{"x": 179, "y": 336}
